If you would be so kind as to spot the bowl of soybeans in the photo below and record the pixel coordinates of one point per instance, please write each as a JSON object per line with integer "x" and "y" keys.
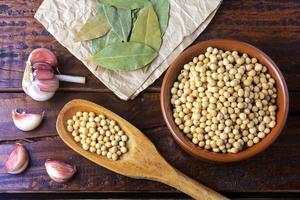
{"x": 224, "y": 100}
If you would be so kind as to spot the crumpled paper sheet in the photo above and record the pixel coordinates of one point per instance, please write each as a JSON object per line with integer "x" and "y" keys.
{"x": 188, "y": 18}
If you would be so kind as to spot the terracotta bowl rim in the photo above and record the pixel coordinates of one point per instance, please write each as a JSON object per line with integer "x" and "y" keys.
{"x": 218, "y": 157}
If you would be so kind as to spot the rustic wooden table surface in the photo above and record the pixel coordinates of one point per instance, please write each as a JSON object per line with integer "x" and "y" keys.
{"x": 271, "y": 25}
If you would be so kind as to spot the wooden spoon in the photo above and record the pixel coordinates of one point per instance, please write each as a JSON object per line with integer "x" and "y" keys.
{"x": 142, "y": 161}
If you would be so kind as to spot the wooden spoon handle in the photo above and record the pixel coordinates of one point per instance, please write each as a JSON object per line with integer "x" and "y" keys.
{"x": 191, "y": 187}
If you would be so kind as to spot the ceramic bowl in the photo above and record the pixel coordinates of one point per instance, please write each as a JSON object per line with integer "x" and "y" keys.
{"x": 231, "y": 45}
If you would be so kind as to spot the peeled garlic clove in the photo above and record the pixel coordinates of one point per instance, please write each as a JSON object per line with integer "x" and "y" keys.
{"x": 43, "y": 55}
{"x": 17, "y": 161}
{"x": 43, "y": 74}
{"x": 59, "y": 171}
{"x": 26, "y": 121}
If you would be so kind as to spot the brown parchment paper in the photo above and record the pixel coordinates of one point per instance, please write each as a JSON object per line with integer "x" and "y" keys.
{"x": 188, "y": 18}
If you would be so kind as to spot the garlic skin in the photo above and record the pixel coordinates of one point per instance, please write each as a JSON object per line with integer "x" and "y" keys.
{"x": 34, "y": 87}
{"x": 26, "y": 121}
{"x": 59, "y": 171}
{"x": 36, "y": 94}
{"x": 17, "y": 161}
{"x": 40, "y": 81}
{"x": 43, "y": 55}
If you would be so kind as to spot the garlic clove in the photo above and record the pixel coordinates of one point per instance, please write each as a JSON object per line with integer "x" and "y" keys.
{"x": 30, "y": 87}
{"x": 48, "y": 85}
{"x": 26, "y": 121}
{"x": 17, "y": 161}
{"x": 35, "y": 93}
{"x": 59, "y": 171}
{"x": 43, "y": 55}
{"x": 41, "y": 65}
{"x": 43, "y": 74}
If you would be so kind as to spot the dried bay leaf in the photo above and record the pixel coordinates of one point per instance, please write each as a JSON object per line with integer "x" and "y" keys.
{"x": 96, "y": 42}
{"x": 100, "y": 43}
{"x": 111, "y": 37}
{"x": 125, "y": 4}
{"x": 134, "y": 15}
{"x": 95, "y": 27}
{"x": 127, "y": 56}
{"x": 119, "y": 20}
{"x": 146, "y": 28}
{"x": 162, "y": 9}
{"x": 100, "y": 10}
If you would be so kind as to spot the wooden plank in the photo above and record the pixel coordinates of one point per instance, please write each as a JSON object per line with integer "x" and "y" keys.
{"x": 144, "y": 112}
{"x": 272, "y": 26}
{"x": 274, "y": 170}
{"x": 20, "y": 33}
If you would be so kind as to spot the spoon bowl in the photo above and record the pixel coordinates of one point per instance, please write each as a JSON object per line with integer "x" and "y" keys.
{"x": 142, "y": 161}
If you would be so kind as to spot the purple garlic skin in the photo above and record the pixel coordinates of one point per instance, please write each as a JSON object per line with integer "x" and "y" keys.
{"x": 17, "y": 161}
{"x": 43, "y": 55}
{"x": 59, "y": 171}
{"x": 39, "y": 81}
{"x": 26, "y": 121}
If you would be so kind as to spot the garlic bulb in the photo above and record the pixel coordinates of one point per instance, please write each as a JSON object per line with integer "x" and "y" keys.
{"x": 17, "y": 161}
{"x": 39, "y": 80}
{"x": 26, "y": 121}
{"x": 59, "y": 171}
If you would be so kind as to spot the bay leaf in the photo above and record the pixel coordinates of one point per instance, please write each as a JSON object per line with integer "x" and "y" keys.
{"x": 94, "y": 27}
{"x": 125, "y": 4}
{"x": 100, "y": 10}
{"x": 162, "y": 9}
{"x": 119, "y": 20}
{"x": 134, "y": 15}
{"x": 146, "y": 28}
{"x": 99, "y": 43}
{"x": 127, "y": 56}
{"x": 96, "y": 42}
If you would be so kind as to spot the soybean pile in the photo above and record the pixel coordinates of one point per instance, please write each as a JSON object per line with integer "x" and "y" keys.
{"x": 98, "y": 134}
{"x": 224, "y": 101}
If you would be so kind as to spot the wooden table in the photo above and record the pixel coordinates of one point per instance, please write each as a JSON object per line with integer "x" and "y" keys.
{"x": 272, "y": 26}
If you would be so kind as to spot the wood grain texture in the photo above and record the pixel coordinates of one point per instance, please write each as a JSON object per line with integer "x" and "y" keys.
{"x": 269, "y": 171}
{"x": 276, "y": 169}
{"x": 144, "y": 112}
{"x": 142, "y": 161}
{"x": 271, "y": 25}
